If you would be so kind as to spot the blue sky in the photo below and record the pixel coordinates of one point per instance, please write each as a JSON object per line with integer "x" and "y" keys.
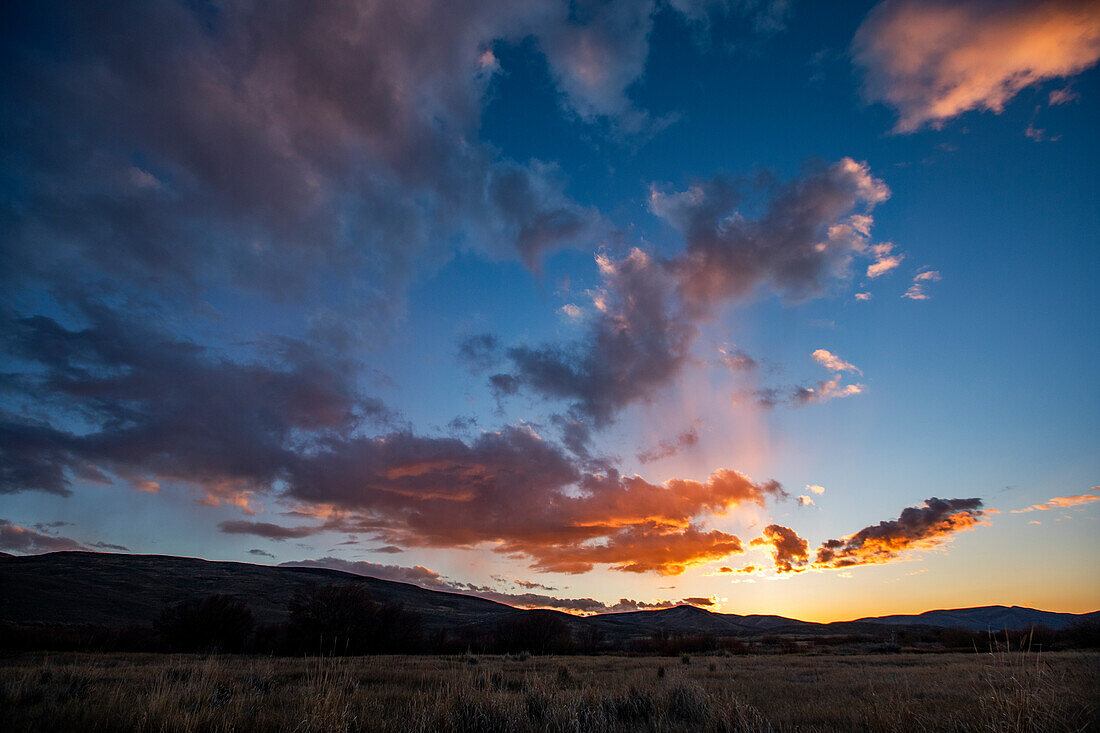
{"x": 296, "y": 283}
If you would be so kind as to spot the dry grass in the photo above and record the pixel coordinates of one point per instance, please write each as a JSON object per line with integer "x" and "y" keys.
{"x": 995, "y": 692}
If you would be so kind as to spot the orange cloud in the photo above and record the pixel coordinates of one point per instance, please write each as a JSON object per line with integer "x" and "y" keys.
{"x": 917, "y": 528}
{"x": 1062, "y": 502}
{"x": 933, "y": 60}
{"x": 790, "y": 552}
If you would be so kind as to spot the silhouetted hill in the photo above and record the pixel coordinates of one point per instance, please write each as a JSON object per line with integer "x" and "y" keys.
{"x": 983, "y": 618}
{"x": 120, "y": 590}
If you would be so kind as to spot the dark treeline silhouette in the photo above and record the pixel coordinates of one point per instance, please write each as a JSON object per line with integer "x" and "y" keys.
{"x": 342, "y": 619}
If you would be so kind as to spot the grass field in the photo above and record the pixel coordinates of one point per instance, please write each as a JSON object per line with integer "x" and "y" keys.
{"x": 976, "y": 691}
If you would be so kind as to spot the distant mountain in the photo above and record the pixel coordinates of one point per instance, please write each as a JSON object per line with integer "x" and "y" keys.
{"x": 982, "y": 618}
{"x": 119, "y": 590}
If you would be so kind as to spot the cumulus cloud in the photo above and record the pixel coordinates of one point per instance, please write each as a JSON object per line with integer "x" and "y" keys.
{"x": 22, "y": 539}
{"x": 814, "y": 488}
{"x": 1062, "y": 502}
{"x": 667, "y": 448}
{"x": 918, "y": 528}
{"x": 832, "y": 362}
{"x": 160, "y": 408}
{"x": 802, "y": 395}
{"x": 637, "y": 342}
{"x": 920, "y": 280}
{"x": 648, "y": 310}
{"x": 789, "y": 551}
{"x": 929, "y": 525}
{"x": 809, "y": 231}
{"x": 885, "y": 260}
{"x": 804, "y": 500}
{"x": 932, "y": 60}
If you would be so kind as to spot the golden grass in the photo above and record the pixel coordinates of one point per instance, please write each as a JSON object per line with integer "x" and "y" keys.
{"x": 108, "y": 692}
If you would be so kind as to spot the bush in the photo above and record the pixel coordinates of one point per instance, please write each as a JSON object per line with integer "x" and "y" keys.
{"x": 216, "y": 623}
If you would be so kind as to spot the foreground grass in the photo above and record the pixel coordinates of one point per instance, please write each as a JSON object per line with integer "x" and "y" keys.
{"x": 106, "y": 692}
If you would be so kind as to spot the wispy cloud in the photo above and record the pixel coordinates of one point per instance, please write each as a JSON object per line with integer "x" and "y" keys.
{"x": 920, "y": 280}
{"x": 1063, "y": 502}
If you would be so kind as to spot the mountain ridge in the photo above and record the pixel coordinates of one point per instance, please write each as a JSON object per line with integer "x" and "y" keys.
{"x": 117, "y": 590}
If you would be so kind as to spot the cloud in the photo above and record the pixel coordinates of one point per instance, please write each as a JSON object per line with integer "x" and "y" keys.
{"x": 668, "y": 448}
{"x": 802, "y": 395}
{"x": 648, "y": 310}
{"x": 637, "y": 342}
{"x": 863, "y": 296}
{"x": 417, "y": 575}
{"x": 804, "y": 500}
{"x": 814, "y": 488}
{"x": 832, "y": 362}
{"x": 269, "y": 530}
{"x": 809, "y": 230}
{"x": 428, "y": 578}
{"x": 884, "y": 260}
{"x": 260, "y": 553}
{"x": 789, "y": 551}
{"x": 736, "y": 359}
{"x": 1062, "y": 502}
{"x": 571, "y": 310}
{"x": 531, "y": 585}
{"x": 21, "y": 539}
{"x": 158, "y": 408}
{"x": 916, "y": 290}
{"x": 109, "y": 546}
{"x": 387, "y": 549}
{"x": 934, "y": 60}
{"x": 700, "y": 601}
{"x": 921, "y": 527}
{"x": 628, "y": 605}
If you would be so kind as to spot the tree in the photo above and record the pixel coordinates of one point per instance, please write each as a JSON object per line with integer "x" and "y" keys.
{"x": 217, "y": 622}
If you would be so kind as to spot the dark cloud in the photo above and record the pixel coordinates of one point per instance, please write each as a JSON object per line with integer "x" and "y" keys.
{"x": 109, "y": 546}
{"x": 648, "y": 311}
{"x": 287, "y": 143}
{"x": 21, "y": 539}
{"x": 157, "y": 407}
{"x": 637, "y": 343}
{"x": 917, "y": 528}
{"x": 387, "y": 549}
{"x": 479, "y": 352}
{"x": 700, "y": 601}
{"x": 807, "y": 234}
{"x": 269, "y": 530}
{"x": 531, "y": 585}
{"x": 417, "y": 575}
{"x": 627, "y": 604}
{"x": 427, "y": 578}
{"x": 260, "y": 553}
{"x": 668, "y": 448}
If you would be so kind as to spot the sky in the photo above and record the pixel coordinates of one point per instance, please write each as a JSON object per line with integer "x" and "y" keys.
{"x": 765, "y": 306}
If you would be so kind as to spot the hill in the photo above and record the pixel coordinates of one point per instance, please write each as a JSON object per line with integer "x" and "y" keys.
{"x": 120, "y": 590}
